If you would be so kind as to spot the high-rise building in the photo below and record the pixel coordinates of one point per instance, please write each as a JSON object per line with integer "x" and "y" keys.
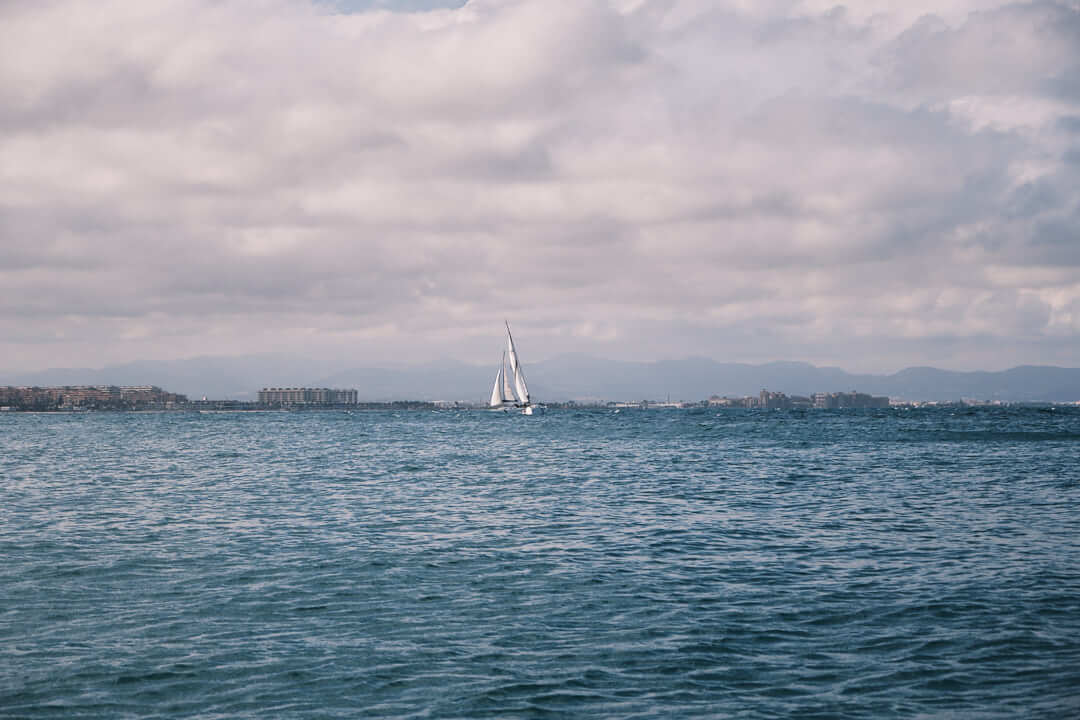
{"x": 307, "y": 396}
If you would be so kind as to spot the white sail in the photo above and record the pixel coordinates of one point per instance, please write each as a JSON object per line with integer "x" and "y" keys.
{"x": 501, "y": 393}
{"x": 508, "y": 392}
{"x": 497, "y": 397}
{"x": 520, "y": 388}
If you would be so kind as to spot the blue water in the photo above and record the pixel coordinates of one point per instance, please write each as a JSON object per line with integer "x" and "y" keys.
{"x": 657, "y": 564}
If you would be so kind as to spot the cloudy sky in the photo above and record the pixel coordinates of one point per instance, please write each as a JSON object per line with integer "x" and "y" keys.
{"x": 871, "y": 185}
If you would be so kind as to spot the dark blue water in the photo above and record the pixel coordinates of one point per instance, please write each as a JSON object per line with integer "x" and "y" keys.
{"x": 874, "y": 564}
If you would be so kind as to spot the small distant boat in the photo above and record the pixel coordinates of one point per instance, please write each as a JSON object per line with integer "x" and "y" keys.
{"x": 505, "y": 394}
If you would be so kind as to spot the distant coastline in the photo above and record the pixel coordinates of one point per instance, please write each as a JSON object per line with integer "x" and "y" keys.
{"x": 80, "y": 399}
{"x": 562, "y": 378}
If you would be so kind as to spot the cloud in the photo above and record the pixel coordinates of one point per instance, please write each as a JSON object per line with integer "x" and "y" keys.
{"x": 862, "y": 186}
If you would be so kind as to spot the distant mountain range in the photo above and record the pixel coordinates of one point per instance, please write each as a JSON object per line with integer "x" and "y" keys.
{"x": 565, "y": 377}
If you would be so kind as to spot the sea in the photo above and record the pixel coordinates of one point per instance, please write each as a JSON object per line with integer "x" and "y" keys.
{"x": 894, "y": 563}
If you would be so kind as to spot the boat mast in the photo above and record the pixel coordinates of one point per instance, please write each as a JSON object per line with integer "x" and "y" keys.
{"x": 507, "y": 390}
{"x": 520, "y": 388}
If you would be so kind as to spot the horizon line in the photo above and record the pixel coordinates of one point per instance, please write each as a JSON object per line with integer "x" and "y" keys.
{"x": 445, "y": 359}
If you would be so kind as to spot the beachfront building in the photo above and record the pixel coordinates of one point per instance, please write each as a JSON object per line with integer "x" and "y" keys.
{"x": 307, "y": 396}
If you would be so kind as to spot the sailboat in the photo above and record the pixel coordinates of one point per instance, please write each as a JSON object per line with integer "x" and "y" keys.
{"x": 506, "y": 394}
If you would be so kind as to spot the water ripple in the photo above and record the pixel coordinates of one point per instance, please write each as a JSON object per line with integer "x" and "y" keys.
{"x": 465, "y": 564}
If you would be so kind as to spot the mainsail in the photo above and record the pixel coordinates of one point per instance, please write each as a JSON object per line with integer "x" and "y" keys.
{"x": 520, "y": 388}
{"x": 508, "y": 392}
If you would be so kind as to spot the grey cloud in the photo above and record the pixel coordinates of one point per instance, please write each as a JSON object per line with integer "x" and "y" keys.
{"x": 1057, "y": 240}
{"x": 1013, "y": 48}
{"x": 1069, "y": 123}
{"x": 1032, "y": 199}
{"x": 349, "y": 6}
{"x": 531, "y": 162}
{"x": 1022, "y": 315}
{"x": 633, "y": 179}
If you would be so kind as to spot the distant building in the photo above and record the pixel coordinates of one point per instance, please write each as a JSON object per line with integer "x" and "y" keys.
{"x": 830, "y": 401}
{"x": 205, "y": 404}
{"x": 773, "y": 401}
{"x": 307, "y": 396}
{"x": 769, "y": 400}
{"x": 106, "y": 397}
{"x": 735, "y": 402}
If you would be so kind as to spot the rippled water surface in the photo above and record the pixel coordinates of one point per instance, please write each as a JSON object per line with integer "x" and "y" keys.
{"x": 581, "y": 564}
